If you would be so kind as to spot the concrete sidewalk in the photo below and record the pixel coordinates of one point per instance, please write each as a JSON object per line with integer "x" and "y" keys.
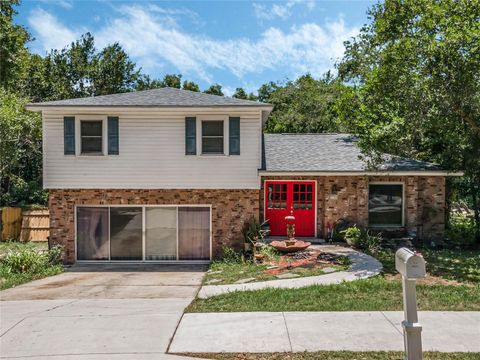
{"x": 316, "y": 331}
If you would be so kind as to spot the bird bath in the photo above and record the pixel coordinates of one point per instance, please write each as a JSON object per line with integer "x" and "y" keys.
{"x": 291, "y": 244}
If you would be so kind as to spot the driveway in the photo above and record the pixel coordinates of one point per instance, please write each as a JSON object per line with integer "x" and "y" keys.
{"x": 97, "y": 312}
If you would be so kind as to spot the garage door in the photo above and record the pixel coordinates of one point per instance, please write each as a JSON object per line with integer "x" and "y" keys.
{"x": 143, "y": 233}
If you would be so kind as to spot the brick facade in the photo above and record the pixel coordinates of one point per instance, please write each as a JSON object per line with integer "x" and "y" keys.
{"x": 424, "y": 201}
{"x": 424, "y": 206}
{"x": 230, "y": 210}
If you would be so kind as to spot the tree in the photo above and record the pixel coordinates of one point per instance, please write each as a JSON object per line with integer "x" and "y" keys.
{"x": 13, "y": 52}
{"x": 145, "y": 82}
{"x": 266, "y": 90}
{"x": 172, "y": 80}
{"x": 20, "y": 153}
{"x": 240, "y": 93}
{"x": 113, "y": 71}
{"x": 305, "y": 105}
{"x": 417, "y": 71}
{"x": 190, "y": 85}
{"x": 215, "y": 89}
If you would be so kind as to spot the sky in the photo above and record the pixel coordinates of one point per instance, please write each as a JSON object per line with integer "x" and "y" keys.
{"x": 233, "y": 43}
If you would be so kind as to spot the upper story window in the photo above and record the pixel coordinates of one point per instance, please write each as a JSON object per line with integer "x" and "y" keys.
{"x": 212, "y": 137}
{"x": 91, "y": 134}
{"x": 385, "y": 205}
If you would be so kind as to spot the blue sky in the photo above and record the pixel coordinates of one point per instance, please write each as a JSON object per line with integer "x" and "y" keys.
{"x": 233, "y": 43}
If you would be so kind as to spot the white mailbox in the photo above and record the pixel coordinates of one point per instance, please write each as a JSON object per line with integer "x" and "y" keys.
{"x": 409, "y": 264}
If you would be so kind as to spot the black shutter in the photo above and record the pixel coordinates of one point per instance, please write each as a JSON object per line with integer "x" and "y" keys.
{"x": 113, "y": 146}
{"x": 190, "y": 136}
{"x": 234, "y": 136}
{"x": 69, "y": 135}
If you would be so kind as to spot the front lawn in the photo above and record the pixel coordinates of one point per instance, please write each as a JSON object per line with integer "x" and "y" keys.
{"x": 383, "y": 292}
{"x": 337, "y": 355}
{"x": 24, "y": 262}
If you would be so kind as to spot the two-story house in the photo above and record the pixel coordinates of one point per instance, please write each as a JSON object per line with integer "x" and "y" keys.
{"x": 173, "y": 175}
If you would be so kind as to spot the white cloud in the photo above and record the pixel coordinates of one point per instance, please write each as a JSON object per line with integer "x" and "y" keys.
{"x": 49, "y": 32}
{"x": 66, "y": 4}
{"x": 279, "y": 10}
{"x": 152, "y": 41}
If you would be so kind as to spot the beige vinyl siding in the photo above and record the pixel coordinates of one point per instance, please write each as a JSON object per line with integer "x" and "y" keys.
{"x": 152, "y": 153}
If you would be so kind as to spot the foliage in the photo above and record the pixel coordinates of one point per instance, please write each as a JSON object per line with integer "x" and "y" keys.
{"x": 415, "y": 76}
{"x": 215, "y": 89}
{"x": 253, "y": 231}
{"x": 305, "y": 105}
{"x": 460, "y": 230}
{"x": 240, "y": 93}
{"x": 13, "y": 53}
{"x": 23, "y": 262}
{"x": 191, "y": 86}
{"x": 458, "y": 265}
{"x": 230, "y": 255}
{"x": 20, "y": 153}
{"x": 362, "y": 239}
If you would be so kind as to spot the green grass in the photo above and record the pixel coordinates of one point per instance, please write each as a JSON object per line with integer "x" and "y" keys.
{"x": 36, "y": 265}
{"x": 337, "y": 355}
{"x": 233, "y": 271}
{"x": 374, "y": 294}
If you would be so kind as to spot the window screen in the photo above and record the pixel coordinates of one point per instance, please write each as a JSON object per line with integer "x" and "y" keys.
{"x": 91, "y": 137}
{"x": 126, "y": 233}
{"x": 385, "y": 204}
{"x": 92, "y": 233}
{"x": 212, "y": 137}
{"x": 193, "y": 233}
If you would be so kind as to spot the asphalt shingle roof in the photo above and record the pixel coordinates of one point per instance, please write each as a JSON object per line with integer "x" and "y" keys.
{"x": 325, "y": 152}
{"x": 163, "y": 97}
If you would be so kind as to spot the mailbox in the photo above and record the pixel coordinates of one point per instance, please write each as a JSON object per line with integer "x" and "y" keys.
{"x": 409, "y": 264}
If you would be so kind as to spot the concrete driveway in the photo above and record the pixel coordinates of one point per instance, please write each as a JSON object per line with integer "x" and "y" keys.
{"x": 97, "y": 312}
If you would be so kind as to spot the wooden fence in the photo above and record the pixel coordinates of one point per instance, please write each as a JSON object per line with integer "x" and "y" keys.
{"x": 27, "y": 225}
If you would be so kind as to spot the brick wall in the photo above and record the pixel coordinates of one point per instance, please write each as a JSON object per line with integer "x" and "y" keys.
{"x": 230, "y": 210}
{"x": 424, "y": 201}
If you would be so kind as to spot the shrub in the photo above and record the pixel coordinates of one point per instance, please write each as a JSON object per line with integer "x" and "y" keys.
{"x": 362, "y": 239}
{"x": 253, "y": 231}
{"x": 231, "y": 256}
{"x": 31, "y": 261}
{"x": 460, "y": 230}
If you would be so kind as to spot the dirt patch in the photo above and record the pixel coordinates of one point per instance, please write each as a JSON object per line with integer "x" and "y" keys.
{"x": 429, "y": 280}
{"x": 311, "y": 259}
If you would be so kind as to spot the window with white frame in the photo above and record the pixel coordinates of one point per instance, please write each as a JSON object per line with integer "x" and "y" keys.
{"x": 213, "y": 137}
{"x": 91, "y": 137}
{"x": 385, "y": 205}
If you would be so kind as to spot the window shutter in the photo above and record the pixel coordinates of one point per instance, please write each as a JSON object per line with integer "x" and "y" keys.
{"x": 190, "y": 136}
{"x": 69, "y": 135}
{"x": 113, "y": 143}
{"x": 234, "y": 136}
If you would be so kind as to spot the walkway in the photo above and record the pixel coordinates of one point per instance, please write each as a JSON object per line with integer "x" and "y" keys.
{"x": 110, "y": 312}
{"x": 362, "y": 266}
{"x": 322, "y": 331}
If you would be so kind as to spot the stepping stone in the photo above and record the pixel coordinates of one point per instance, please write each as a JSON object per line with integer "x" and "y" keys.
{"x": 287, "y": 276}
{"x": 213, "y": 281}
{"x": 215, "y": 272}
{"x": 243, "y": 281}
{"x": 328, "y": 270}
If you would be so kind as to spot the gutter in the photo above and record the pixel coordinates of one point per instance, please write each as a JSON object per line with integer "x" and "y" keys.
{"x": 360, "y": 173}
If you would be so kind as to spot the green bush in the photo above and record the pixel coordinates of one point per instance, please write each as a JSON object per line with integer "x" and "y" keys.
{"x": 253, "y": 231}
{"x": 460, "y": 230}
{"x": 362, "y": 239}
{"x": 230, "y": 256}
{"x": 29, "y": 260}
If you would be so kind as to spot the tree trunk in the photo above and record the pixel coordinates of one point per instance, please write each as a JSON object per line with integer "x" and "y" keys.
{"x": 476, "y": 212}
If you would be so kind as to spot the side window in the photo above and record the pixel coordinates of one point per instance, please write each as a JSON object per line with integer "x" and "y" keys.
{"x": 91, "y": 137}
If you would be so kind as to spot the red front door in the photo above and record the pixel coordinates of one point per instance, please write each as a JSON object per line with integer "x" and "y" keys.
{"x": 283, "y": 197}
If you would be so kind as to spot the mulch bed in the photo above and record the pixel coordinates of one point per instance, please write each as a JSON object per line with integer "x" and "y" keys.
{"x": 308, "y": 259}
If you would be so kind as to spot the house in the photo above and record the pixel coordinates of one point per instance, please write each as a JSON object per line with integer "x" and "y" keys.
{"x": 173, "y": 175}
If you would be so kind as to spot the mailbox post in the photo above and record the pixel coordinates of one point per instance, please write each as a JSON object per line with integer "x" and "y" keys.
{"x": 411, "y": 266}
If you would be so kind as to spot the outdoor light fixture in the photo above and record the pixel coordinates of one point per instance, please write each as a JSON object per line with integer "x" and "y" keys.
{"x": 334, "y": 189}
